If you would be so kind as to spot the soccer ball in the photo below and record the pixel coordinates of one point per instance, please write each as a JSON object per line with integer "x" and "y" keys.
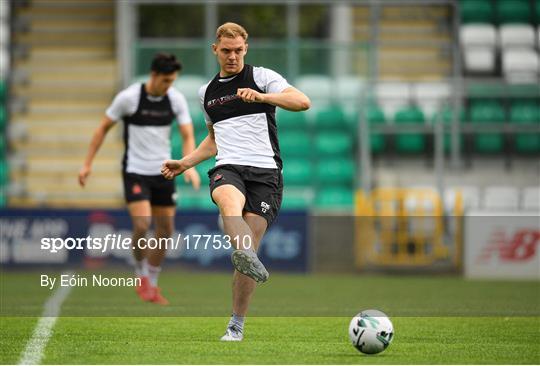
{"x": 371, "y": 331}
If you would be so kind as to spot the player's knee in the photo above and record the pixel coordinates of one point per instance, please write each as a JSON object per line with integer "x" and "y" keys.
{"x": 141, "y": 225}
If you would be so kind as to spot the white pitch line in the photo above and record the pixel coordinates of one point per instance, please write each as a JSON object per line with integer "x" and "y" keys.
{"x": 35, "y": 347}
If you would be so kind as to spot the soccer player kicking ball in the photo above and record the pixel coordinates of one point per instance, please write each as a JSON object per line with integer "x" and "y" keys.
{"x": 246, "y": 183}
{"x": 148, "y": 110}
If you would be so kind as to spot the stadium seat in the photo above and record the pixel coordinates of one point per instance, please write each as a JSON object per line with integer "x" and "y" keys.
{"x": 516, "y": 35}
{"x": 3, "y": 118}
{"x": 478, "y": 35}
{"x": 297, "y": 198}
{"x": 392, "y": 96}
{"x": 513, "y": 11}
{"x": 348, "y": 90}
{"x": 317, "y": 87}
{"x": 287, "y": 120}
{"x": 295, "y": 144}
{"x": 487, "y": 112}
{"x": 335, "y": 171}
{"x": 430, "y": 97}
{"x": 500, "y": 198}
{"x": 375, "y": 116}
{"x": 530, "y": 199}
{"x": 3, "y": 91}
{"x": 334, "y": 143}
{"x": 521, "y": 65}
{"x": 298, "y": 172}
{"x": 332, "y": 198}
{"x": 477, "y": 11}
{"x": 4, "y": 173}
{"x": 479, "y": 59}
{"x": 469, "y": 194}
{"x": 331, "y": 117}
{"x": 526, "y": 113}
{"x": 537, "y": 6}
{"x": 410, "y": 142}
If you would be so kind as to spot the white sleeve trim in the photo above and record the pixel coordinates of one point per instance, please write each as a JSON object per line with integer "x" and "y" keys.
{"x": 124, "y": 103}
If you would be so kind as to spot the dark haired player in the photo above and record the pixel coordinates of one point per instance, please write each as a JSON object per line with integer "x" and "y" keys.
{"x": 246, "y": 183}
{"x": 148, "y": 110}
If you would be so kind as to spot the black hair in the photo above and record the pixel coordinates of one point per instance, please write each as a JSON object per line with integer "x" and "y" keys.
{"x": 165, "y": 63}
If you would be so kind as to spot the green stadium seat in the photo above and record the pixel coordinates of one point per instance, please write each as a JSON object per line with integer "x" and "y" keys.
{"x": 330, "y": 198}
{"x": 331, "y": 117}
{"x": 334, "y": 143}
{"x": 3, "y": 91}
{"x": 410, "y": 142}
{"x": 526, "y": 113}
{"x": 296, "y": 199}
{"x": 4, "y": 173}
{"x": 513, "y": 11}
{"x": 287, "y": 120}
{"x": 297, "y": 172}
{"x": 375, "y": 116}
{"x": 335, "y": 171}
{"x": 3, "y": 118}
{"x": 477, "y": 11}
{"x": 487, "y": 111}
{"x": 295, "y": 144}
{"x": 537, "y": 12}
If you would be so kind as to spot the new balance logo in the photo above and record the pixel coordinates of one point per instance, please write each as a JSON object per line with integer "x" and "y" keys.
{"x": 264, "y": 207}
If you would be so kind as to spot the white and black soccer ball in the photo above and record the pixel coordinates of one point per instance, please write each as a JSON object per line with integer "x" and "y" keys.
{"x": 371, "y": 331}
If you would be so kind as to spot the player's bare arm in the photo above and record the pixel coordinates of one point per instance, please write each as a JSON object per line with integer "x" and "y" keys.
{"x": 206, "y": 149}
{"x": 95, "y": 144}
{"x": 291, "y": 98}
{"x": 188, "y": 138}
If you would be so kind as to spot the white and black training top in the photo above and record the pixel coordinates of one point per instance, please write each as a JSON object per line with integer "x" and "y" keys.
{"x": 147, "y": 126}
{"x": 246, "y": 133}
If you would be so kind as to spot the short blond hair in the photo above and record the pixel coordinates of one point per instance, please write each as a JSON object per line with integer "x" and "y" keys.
{"x": 231, "y": 30}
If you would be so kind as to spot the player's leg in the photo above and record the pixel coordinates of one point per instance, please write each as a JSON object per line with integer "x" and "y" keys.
{"x": 163, "y": 217}
{"x": 140, "y": 213}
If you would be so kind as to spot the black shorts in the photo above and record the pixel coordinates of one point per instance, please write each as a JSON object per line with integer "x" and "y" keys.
{"x": 262, "y": 187}
{"x": 154, "y": 188}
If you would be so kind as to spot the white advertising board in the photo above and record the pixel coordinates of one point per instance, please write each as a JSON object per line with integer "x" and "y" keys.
{"x": 502, "y": 245}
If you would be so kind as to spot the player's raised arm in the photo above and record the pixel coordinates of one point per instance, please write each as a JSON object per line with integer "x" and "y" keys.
{"x": 206, "y": 149}
{"x": 291, "y": 98}
{"x": 95, "y": 144}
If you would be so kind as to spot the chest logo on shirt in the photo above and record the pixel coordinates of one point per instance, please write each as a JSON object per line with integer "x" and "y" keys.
{"x": 154, "y": 113}
{"x": 222, "y": 100}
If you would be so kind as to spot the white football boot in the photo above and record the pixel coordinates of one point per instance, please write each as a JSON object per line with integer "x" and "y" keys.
{"x": 232, "y": 334}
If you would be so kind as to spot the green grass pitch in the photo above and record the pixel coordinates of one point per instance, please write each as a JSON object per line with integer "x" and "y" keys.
{"x": 294, "y": 319}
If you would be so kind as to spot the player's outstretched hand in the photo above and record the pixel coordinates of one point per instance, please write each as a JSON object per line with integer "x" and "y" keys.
{"x": 249, "y": 95}
{"x": 83, "y": 175}
{"x": 192, "y": 176}
{"x": 172, "y": 168}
